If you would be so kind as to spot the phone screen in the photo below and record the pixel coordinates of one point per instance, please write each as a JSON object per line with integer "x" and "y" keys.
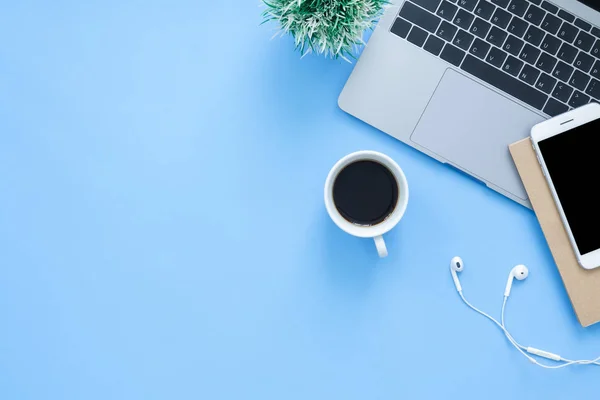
{"x": 573, "y": 161}
{"x": 591, "y": 3}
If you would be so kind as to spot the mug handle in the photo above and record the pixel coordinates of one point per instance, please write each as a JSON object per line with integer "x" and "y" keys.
{"x": 381, "y": 248}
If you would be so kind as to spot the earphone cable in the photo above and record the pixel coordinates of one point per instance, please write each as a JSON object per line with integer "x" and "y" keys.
{"x": 520, "y": 347}
{"x": 566, "y": 361}
{"x": 462, "y": 296}
{"x": 519, "y": 272}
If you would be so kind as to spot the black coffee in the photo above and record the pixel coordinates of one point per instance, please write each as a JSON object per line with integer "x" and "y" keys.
{"x": 365, "y": 192}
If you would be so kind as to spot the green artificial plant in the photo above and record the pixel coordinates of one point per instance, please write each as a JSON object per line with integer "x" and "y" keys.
{"x": 330, "y": 27}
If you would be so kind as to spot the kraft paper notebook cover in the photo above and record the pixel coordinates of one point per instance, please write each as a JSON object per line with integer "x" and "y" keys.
{"x": 583, "y": 286}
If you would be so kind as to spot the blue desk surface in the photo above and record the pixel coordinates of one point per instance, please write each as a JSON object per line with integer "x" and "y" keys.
{"x": 163, "y": 233}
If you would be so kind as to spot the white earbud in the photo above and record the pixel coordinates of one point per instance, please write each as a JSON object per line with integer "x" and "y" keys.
{"x": 520, "y": 272}
{"x": 456, "y": 265}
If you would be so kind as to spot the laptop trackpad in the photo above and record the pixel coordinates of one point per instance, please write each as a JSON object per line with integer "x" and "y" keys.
{"x": 471, "y": 127}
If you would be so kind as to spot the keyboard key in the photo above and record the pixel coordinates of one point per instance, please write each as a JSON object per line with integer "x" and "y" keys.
{"x": 463, "y": 19}
{"x": 417, "y": 36}
{"x": 434, "y": 45}
{"x": 554, "y": 108}
{"x": 529, "y": 74}
{"x": 567, "y": 32}
{"x": 512, "y": 66}
{"x": 401, "y": 28}
{"x": 479, "y": 48}
{"x": 534, "y": 15}
{"x": 452, "y": 54}
{"x": 484, "y": 9}
{"x": 584, "y": 41}
{"x": 480, "y": 28}
{"x": 578, "y": 99}
{"x": 463, "y": 40}
{"x": 579, "y": 80}
{"x": 430, "y": 5}
{"x": 581, "y": 24}
{"x": 447, "y": 10}
{"x": 496, "y": 36}
{"x": 513, "y": 45}
{"x": 501, "y": 3}
{"x": 567, "y": 53}
{"x": 504, "y": 82}
{"x": 534, "y": 35}
{"x": 594, "y": 89}
{"x": 496, "y": 57}
{"x": 549, "y": 7}
{"x": 545, "y": 83}
{"x": 596, "y": 32}
{"x": 595, "y": 72}
{"x": 562, "y": 71}
{"x": 501, "y": 18}
{"x": 562, "y": 92}
{"x": 517, "y": 7}
{"x": 529, "y": 54}
{"x": 467, "y": 4}
{"x": 536, "y": 2}
{"x": 551, "y": 23}
{"x": 446, "y": 31}
{"x": 419, "y": 17}
{"x": 566, "y": 16}
{"x": 517, "y": 27}
{"x": 550, "y": 44}
{"x": 546, "y": 63}
{"x": 596, "y": 49}
{"x": 584, "y": 62}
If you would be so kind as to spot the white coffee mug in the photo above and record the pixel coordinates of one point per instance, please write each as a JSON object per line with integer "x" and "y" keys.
{"x": 373, "y": 231}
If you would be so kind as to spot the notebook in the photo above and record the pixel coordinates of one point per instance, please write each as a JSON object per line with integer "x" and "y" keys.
{"x": 583, "y": 286}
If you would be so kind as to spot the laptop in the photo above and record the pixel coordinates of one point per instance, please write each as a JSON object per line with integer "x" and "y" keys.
{"x": 460, "y": 80}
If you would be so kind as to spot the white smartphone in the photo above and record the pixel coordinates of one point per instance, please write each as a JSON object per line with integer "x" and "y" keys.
{"x": 568, "y": 150}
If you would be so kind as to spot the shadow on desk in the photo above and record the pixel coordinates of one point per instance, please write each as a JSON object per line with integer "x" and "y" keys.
{"x": 348, "y": 263}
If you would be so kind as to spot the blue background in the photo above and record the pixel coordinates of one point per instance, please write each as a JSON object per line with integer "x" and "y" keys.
{"x": 163, "y": 233}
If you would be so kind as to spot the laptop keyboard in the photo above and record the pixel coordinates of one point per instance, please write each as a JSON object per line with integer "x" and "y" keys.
{"x": 529, "y": 49}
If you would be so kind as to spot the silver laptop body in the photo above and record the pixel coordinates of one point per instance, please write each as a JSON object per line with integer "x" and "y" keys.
{"x": 462, "y": 79}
